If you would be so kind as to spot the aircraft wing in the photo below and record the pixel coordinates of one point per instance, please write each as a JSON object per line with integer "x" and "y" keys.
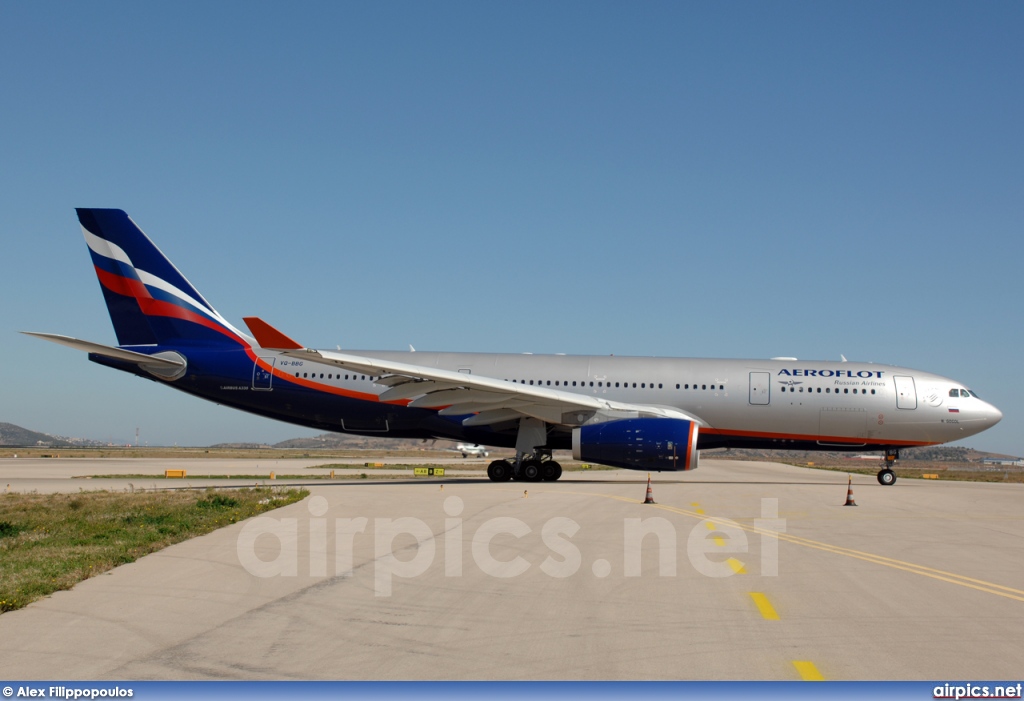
{"x": 488, "y": 400}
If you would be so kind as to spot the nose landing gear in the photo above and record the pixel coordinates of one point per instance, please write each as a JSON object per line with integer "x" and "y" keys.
{"x": 886, "y": 476}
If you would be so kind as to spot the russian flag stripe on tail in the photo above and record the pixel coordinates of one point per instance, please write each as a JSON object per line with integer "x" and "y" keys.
{"x": 149, "y": 300}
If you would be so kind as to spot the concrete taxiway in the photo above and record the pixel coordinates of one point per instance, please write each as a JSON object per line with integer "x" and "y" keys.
{"x": 922, "y": 580}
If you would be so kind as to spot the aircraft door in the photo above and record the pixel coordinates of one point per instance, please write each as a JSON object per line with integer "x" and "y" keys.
{"x": 760, "y": 387}
{"x": 262, "y": 378}
{"x": 906, "y": 393}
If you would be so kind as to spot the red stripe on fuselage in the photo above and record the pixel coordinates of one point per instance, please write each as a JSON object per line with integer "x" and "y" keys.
{"x": 802, "y": 437}
{"x": 319, "y": 386}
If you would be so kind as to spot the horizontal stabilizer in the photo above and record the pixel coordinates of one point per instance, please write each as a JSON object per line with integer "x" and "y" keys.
{"x": 108, "y": 351}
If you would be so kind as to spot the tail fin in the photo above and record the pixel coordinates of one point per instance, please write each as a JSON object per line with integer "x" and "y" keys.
{"x": 149, "y": 301}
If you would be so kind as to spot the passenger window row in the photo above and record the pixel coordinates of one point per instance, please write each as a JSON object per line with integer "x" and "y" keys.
{"x": 602, "y": 383}
{"x": 548, "y": 383}
{"x": 330, "y": 376}
{"x": 828, "y": 390}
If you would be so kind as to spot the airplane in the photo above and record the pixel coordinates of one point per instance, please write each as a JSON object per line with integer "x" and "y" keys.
{"x": 631, "y": 412}
{"x": 474, "y": 449}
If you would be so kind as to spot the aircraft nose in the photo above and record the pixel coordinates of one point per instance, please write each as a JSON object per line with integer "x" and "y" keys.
{"x": 994, "y": 415}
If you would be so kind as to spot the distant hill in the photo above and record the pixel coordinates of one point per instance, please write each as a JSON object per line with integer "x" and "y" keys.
{"x": 337, "y": 441}
{"x": 18, "y": 437}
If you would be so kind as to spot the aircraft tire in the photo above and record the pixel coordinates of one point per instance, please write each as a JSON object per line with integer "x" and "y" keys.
{"x": 499, "y": 471}
{"x": 550, "y": 471}
{"x": 530, "y": 470}
{"x": 886, "y": 477}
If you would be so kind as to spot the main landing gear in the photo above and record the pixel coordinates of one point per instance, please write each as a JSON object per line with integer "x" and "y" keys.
{"x": 534, "y": 468}
{"x": 533, "y": 461}
{"x": 886, "y": 476}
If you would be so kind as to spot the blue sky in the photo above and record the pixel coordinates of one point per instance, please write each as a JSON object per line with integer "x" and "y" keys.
{"x": 685, "y": 179}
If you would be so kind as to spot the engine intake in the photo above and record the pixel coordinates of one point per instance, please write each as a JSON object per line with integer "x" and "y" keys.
{"x": 638, "y": 444}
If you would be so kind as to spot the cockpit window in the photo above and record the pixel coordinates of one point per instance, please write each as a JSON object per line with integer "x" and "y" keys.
{"x": 954, "y": 392}
{"x": 971, "y": 391}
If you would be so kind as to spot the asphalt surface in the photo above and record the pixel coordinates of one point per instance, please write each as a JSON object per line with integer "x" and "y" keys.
{"x": 922, "y": 580}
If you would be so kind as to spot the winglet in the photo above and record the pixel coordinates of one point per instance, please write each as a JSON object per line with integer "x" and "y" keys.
{"x": 269, "y": 337}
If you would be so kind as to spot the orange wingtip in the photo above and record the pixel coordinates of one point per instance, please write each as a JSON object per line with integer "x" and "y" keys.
{"x": 269, "y": 337}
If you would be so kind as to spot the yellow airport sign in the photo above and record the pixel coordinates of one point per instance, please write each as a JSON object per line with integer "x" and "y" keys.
{"x": 428, "y": 471}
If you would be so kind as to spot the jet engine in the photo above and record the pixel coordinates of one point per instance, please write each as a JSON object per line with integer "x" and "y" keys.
{"x": 638, "y": 444}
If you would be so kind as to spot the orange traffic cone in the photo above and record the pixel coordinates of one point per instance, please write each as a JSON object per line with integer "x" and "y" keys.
{"x": 849, "y": 493}
{"x": 650, "y": 494}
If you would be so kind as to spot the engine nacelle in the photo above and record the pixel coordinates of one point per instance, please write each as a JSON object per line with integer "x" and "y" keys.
{"x": 638, "y": 444}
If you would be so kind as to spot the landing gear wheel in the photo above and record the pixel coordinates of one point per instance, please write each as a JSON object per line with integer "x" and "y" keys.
{"x": 886, "y": 477}
{"x": 499, "y": 471}
{"x": 529, "y": 470}
{"x": 550, "y": 471}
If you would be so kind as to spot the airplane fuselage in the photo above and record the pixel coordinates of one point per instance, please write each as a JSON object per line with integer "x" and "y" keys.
{"x": 808, "y": 405}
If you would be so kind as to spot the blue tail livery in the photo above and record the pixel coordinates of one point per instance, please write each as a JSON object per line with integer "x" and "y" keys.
{"x": 636, "y": 413}
{"x": 149, "y": 301}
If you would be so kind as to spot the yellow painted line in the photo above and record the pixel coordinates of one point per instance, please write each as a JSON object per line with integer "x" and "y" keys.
{"x": 736, "y": 566}
{"x": 808, "y": 672}
{"x": 764, "y": 606}
{"x": 719, "y": 541}
{"x": 941, "y": 575}
{"x": 694, "y": 503}
{"x": 700, "y": 511}
{"x": 711, "y": 526}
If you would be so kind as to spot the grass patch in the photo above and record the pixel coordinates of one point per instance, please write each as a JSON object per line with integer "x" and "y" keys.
{"x": 50, "y": 542}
